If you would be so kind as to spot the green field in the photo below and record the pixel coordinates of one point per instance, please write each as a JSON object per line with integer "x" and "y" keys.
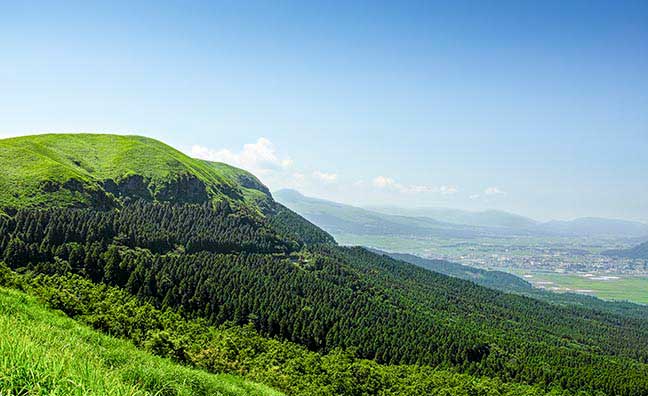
{"x": 630, "y": 288}
{"x": 46, "y": 353}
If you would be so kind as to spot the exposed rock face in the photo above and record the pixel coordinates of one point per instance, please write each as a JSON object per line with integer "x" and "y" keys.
{"x": 108, "y": 194}
{"x": 50, "y": 186}
{"x": 101, "y": 200}
{"x": 74, "y": 185}
{"x": 131, "y": 186}
{"x": 185, "y": 189}
{"x": 96, "y": 196}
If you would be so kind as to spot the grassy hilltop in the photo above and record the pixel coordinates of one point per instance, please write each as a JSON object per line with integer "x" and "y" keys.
{"x": 98, "y": 170}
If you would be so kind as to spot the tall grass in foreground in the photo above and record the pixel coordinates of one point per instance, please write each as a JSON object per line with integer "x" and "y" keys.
{"x": 44, "y": 353}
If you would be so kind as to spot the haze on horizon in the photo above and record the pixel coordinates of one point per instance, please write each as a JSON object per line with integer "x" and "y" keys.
{"x": 536, "y": 109}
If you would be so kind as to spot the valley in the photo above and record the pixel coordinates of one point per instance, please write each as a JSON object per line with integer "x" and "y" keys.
{"x": 559, "y": 265}
{"x": 564, "y": 260}
{"x": 609, "y": 286}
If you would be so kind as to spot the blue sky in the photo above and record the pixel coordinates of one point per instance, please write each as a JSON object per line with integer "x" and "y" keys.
{"x": 540, "y": 108}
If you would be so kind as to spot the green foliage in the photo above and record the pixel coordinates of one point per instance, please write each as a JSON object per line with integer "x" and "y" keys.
{"x": 296, "y": 227}
{"x": 158, "y": 227}
{"x": 323, "y": 297}
{"x": 96, "y": 170}
{"x": 44, "y": 353}
{"x": 242, "y": 351}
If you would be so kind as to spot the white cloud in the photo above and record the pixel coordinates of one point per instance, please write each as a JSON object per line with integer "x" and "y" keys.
{"x": 263, "y": 160}
{"x": 390, "y": 184}
{"x": 260, "y": 157}
{"x": 299, "y": 177}
{"x": 384, "y": 182}
{"x": 416, "y": 189}
{"x": 325, "y": 177}
{"x": 494, "y": 191}
{"x": 448, "y": 190}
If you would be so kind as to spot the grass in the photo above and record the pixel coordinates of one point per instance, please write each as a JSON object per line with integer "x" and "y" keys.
{"x": 254, "y": 192}
{"x": 43, "y": 352}
{"x": 30, "y": 161}
{"x": 625, "y": 288}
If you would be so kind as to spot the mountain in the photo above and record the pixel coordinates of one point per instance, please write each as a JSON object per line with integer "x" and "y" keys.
{"x": 594, "y": 226}
{"x": 585, "y": 226}
{"x": 337, "y": 218}
{"x": 108, "y": 171}
{"x": 340, "y": 218}
{"x": 487, "y": 218}
{"x": 637, "y": 252}
{"x": 206, "y": 244}
{"x": 91, "y": 170}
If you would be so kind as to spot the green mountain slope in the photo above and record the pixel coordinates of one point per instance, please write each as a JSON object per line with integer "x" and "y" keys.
{"x": 100, "y": 170}
{"x": 637, "y": 252}
{"x": 107, "y": 171}
{"x": 232, "y": 260}
{"x": 45, "y": 353}
{"x": 240, "y": 350}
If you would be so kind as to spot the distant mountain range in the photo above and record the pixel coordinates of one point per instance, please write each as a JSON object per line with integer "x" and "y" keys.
{"x": 338, "y": 218}
{"x": 487, "y": 218}
{"x": 594, "y": 226}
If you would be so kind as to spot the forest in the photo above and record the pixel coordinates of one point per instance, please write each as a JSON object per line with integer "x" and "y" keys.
{"x": 217, "y": 265}
{"x": 235, "y": 354}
